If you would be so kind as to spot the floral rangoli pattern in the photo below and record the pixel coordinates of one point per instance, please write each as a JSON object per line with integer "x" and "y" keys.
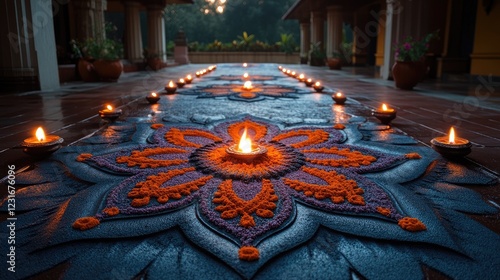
{"x": 237, "y": 92}
{"x": 247, "y": 200}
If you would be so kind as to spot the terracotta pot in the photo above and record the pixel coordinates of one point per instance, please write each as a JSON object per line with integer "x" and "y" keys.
{"x": 422, "y": 69}
{"x": 154, "y": 63}
{"x": 87, "y": 71}
{"x": 406, "y": 74}
{"x": 334, "y": 63}
{"x": 108, "y": 70}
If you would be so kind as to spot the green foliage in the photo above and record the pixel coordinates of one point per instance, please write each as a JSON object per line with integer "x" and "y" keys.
{"x": 316, "y": 52}
{"x": 287, "y": 43}
{"x": 101, "y": 47}
{"x": 413, "y": 50}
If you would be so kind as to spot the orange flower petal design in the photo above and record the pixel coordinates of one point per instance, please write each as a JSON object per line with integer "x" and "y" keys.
{"x": 141, "y": 158}
{"x": 316, "y": 136}
{"x": 411, "y": 224}
{"x": 177, "y": 137}
{"x": 350, "y": 158}
{"x": 231, "y": 206}
{"x": 248, "y": 253}
{"x": 256, "y": 130}
{"x": 338, "y": 188}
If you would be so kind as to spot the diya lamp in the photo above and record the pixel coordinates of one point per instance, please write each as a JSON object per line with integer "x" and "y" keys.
{"x": 339, "y": 98}
{"x": 198, "y": 74}
{"x": 180, "y": 83}
{"x": 293, "y": 74}
{"x": 170, "y": 87}
{"x": 280, "y": 67}
{"x": 110, "y": 113}
{"x": 301, "y": 77}
{"x": 245, "y": 65}
{"x": 210, "y": 68}
{"x": 284, "y": 70}
{"x": 41, "y": 145}
{"x": 188, "y": 79}
{"x": 318, "y": 87}
{"x": 247, "y": 85}
{"x": 288, "y": 72}
{"x": 153, "y": 98}
{"x": 309, "y": 82}
{"x": 451, "y": 146}
{"x": 246, "y": 150}
{"x": 384, "y": 114}
{"x": 245, "y": 76}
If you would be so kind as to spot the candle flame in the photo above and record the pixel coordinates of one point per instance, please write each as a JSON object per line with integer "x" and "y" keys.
{"x": 301, "y": 76}
{"x": 283, "y": 70}
{"x": 153, "y": 94}
{"x": 317, "y": 84}
{"x": 189, "y": 77}
{"x": 245, "y": 64}
{"x": 339, "y": 94}
{"x": 384, "y": 107}
{"x": 245, "y": 144}
{"x": 451, "y": 139}
{"x": 40, "y": 134}
{"x": 181, "y": 80}
{"x": 171, "y": 84}
{"x": 245, "y": 75}
{"x": 109, "y": 107}
{"x": 293, "y": 73}
{"x": 309, "y": 80}
{"x": 247, "y": 85}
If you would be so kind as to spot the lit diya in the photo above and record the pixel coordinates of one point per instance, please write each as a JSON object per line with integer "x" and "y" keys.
{"x": 198, "y": 74}
{"x": 41, "y": 145}
{"x": 180, "y": 83}
{"x": 245, "y": 76}
{"x": 385, "y": 115}
{"x": 293, "y": 74}
{"x": 170, "y": 87}
{"x": 110, "y": 113}
{"x": 245, "y": 150}
{"x": 245, "y": 64}
{"x": 339, "y": 98}
{"x": 451, "y": 145}
{"x": 318, "y": 87}
{"x": 280, "y": 67}
{"x": 309, "y": 82}
{"x": 153, "y": 98}
{"x": 189, "y": 79}
{"x": 247, "y": 85}
{"x": 301, "y": 77}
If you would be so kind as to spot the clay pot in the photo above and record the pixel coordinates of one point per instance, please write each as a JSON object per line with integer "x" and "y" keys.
{"x": 406, "y": 74}
{"x": 87, "y": 71}
{"x": 334, "y": 63}
{"x": 108, "y": 70}
{"x": 154, "y": 63}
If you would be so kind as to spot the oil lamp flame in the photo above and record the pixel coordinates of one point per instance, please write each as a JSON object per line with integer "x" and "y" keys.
{"x": 153, "y": 94}
{"x": 171, "y": 84}
{"x": 189, "y": 77}
{"x": 339, "y": 94}
{"x": 317, "y": 84}
{"x": 245, "y": 64}
{"x": 40, "y": 135}
{"x": 384, "y": 107}
{"x": 451, "y": 139}
{"x": 181, "y": 80}
{"x": 109, "y": 107}
{"x": 247, "y": 85}
{"x": 245, "y": 144}
{"x": 245, "y": 75}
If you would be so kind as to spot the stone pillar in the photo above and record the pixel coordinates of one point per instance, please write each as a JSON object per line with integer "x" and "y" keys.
{"x": 305, "y": 38}
{"x": 388, "y": 57}
{"x": 333, "y": 30}
{"x": 317, "y": 30}
{"x": 89, "y": 18}
{"x": 133, "y": 38}
{"x": 181, "y": 49}
{"x": 156, "y": 31}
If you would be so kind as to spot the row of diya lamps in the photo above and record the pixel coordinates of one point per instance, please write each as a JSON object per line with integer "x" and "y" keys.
{"x": 172, "y": 87}
{"x": 449, "y": 146}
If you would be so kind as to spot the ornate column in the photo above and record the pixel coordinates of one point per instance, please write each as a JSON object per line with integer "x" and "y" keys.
{"x": 133, "y": 38}
{"x": 89, "y": 18}
{"x": 156, "y": 31}
{"x": 333, "y": 30}
{"x": 305, "y": 38}
{"x": 388, "y": 57}
{"x": 317, "y": 19}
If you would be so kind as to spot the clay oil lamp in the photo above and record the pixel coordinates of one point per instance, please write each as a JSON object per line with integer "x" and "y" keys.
{"x": 451, "y": 146}
{"x": 245, "y": 65}
{"x": 245, "y": 76}
{"x": 339, "y": 98}
{"x": 180, "y": 83}
{"x": 288, "y": 72}
{"x": 110, "y": 113}
{"x": 384, "y": 114}
{"x": 293, "y": 74}
{"x": 280, "y": 67}
{"x": 301, "y": 77}
{"x": 284, "y": 70}
{"x": 198, "y": 74}
{"x": 309, "y": 82}
{"x": 189, "y": 79}
{"x": 41, "y": 145}
{"x": 170, "y": 87}
{"x": 153, "y": 98}
{"x": 245, "y": 150}
{"x": 318, "y": 87}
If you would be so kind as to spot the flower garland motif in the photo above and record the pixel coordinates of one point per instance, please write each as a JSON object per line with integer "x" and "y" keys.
{"x": 247, "y": 200}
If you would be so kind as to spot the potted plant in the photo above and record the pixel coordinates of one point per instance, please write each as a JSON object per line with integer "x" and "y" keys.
{"x": 334, "y": 62}
{"x": 153, "y": 60}
{"x": 317, "y": 56}
{"x": 409, "y": 68}
{"x": 107, "y": 54}
{"x": 84, "y": 64}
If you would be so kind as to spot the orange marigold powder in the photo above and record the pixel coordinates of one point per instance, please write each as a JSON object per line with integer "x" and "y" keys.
{"x": 413, "y": 156}
{"x": 339, "y": 126}
{"x": 83, "y": 157}
{"x": 111, "y": 211}
{"x": 384, "y": 211}
{"x": 86, "y": 223}
{"x": 411, "y": 224}
{"x": 157, "y": 125}
{"x": 248, "y": 253}
{"x": 177, "y": 137}
{"x": 317, "y": 136}
{"x": 236, "y": 129}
